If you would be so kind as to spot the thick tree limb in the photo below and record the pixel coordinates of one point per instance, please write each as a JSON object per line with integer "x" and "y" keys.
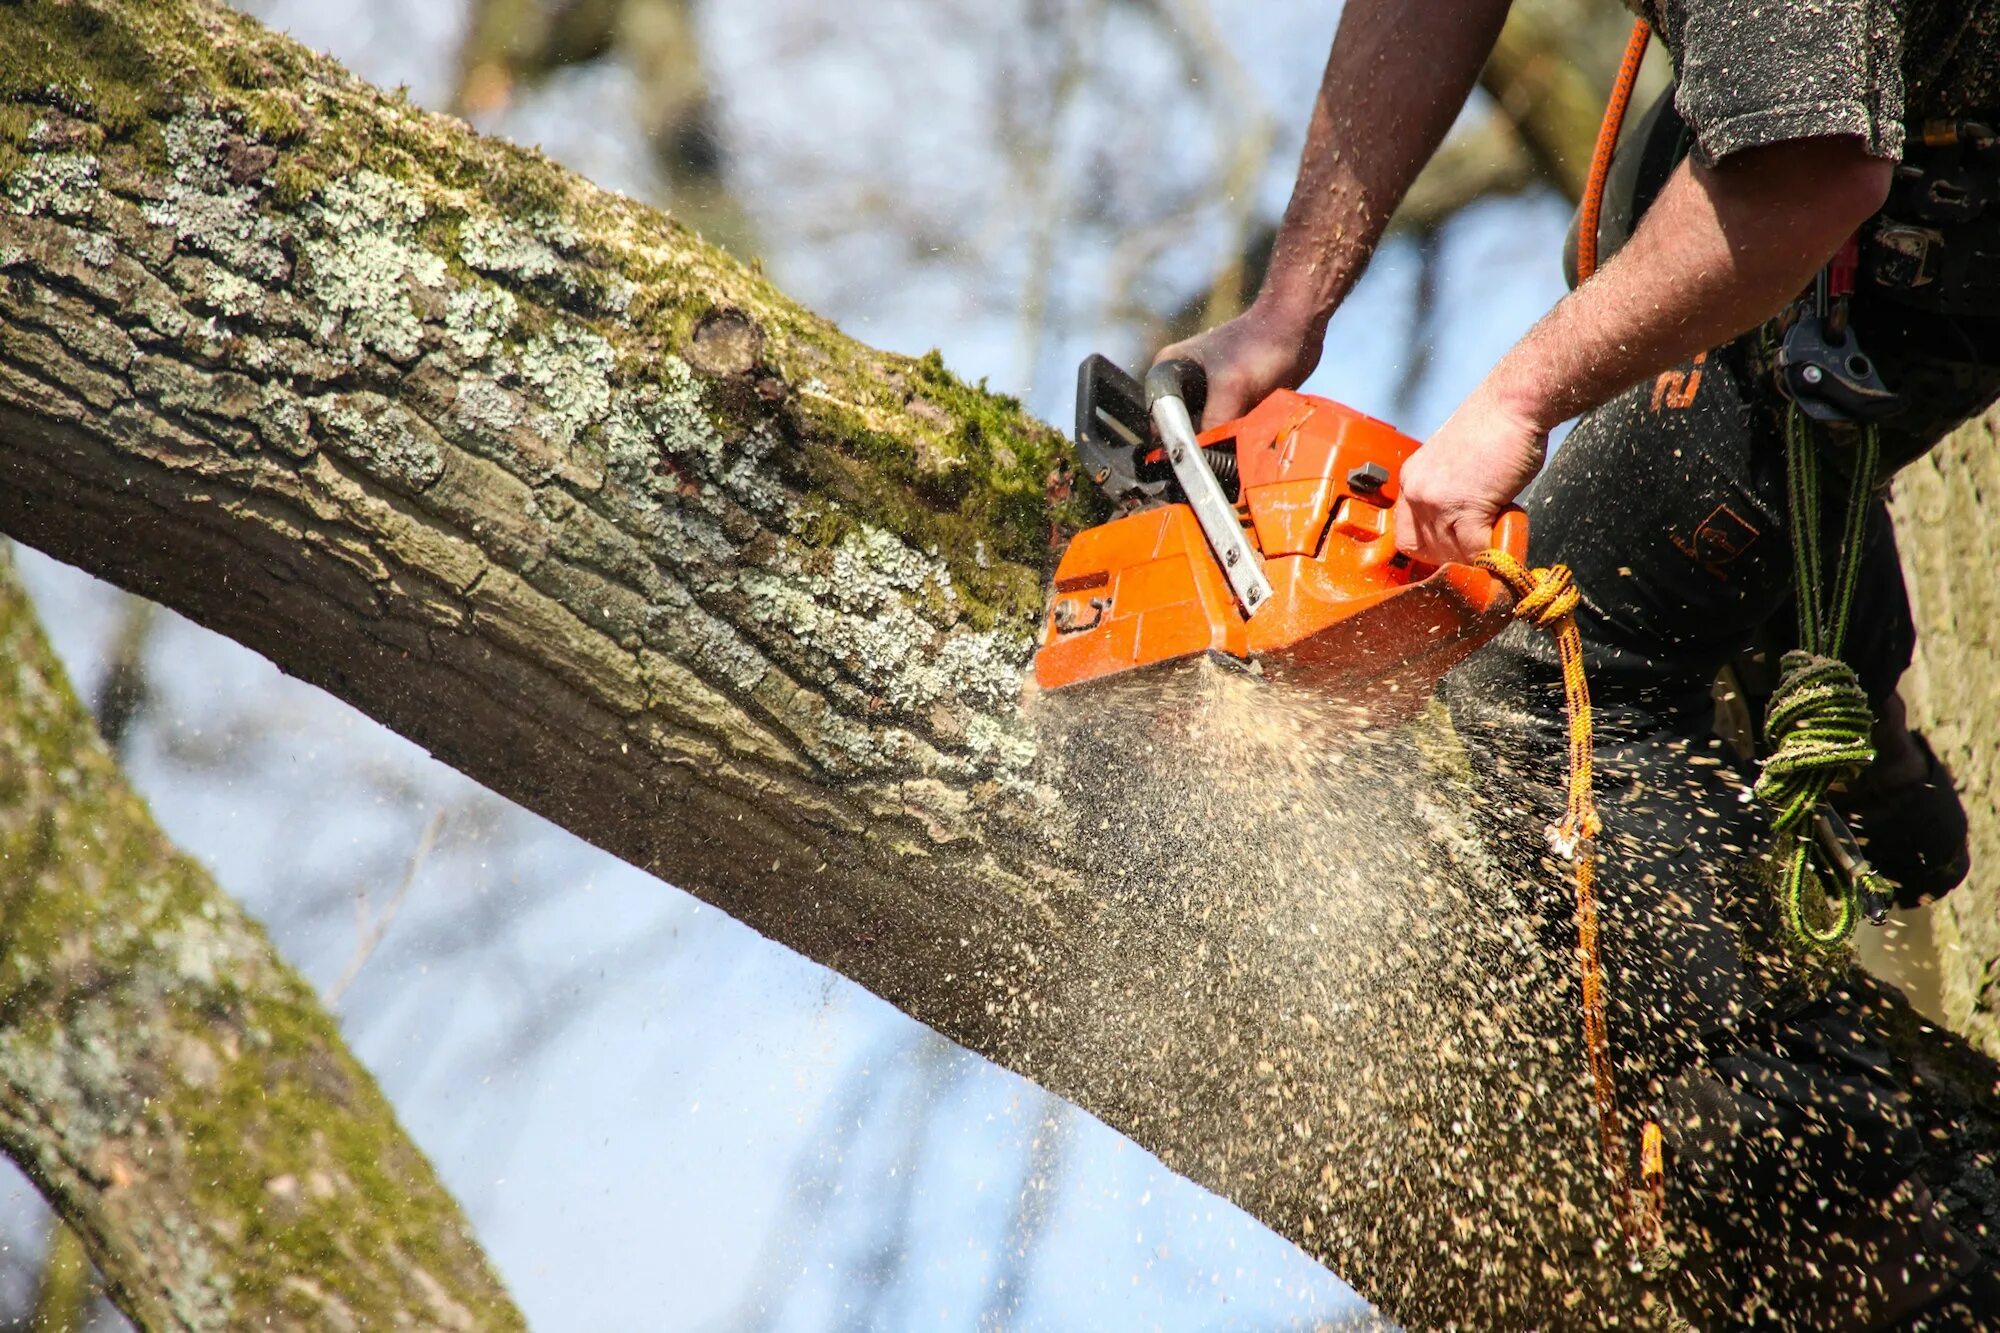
{"x": 601, "y": 518}
{"x": 546, "y": 484}
{"x": 171, "y": 1086}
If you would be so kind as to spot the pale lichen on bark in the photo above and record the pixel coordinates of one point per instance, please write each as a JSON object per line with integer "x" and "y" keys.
{"x": 604, "y": 520}
{"x": 419, "y": 415}
{"x": 332, "y": 331}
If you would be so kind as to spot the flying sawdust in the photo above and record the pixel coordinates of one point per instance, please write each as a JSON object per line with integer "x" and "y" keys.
{"x": 1290, "y": 885}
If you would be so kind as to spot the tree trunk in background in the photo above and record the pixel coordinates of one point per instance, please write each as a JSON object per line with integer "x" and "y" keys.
{"x": 1948, "y": 527}
{"x": 173, "y": 1089}
{"x": 543, "y": 482}
{"x": 62, "y": 1295}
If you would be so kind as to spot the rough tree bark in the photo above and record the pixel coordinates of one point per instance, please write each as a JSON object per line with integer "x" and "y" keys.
{"x": 1950, "y": 540}
{"x": 171, "y": 1086}
{"x": 600, "y": 517}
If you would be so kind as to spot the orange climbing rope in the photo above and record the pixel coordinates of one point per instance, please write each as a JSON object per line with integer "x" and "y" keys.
{"x": 1591, "y": 210}
{"x": 1547, "y": 599}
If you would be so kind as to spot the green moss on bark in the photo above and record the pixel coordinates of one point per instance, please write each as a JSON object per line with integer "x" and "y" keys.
{"x": 171, "y": 1085}
{"x": 905, "y": 445}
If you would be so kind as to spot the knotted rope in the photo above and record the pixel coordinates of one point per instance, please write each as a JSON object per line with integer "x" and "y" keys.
{"x": 1547, "y": 599}
{"x": 1818, "y": 722}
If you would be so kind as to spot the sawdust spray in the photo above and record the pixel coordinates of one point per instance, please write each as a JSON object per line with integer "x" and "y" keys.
{"x": 1319, "y": 987}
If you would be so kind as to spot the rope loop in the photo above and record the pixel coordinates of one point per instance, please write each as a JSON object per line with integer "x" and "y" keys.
{"x": 1818, "y": 724}
{"x": 1542, "y": 596}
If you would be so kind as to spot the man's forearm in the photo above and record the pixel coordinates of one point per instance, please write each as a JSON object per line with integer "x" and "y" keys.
{"x": 1397, "y": 78}
{"x": 1721, "y": 250}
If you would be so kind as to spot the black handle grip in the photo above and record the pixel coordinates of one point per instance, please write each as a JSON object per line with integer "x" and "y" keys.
{"x": 1182, "y": 379}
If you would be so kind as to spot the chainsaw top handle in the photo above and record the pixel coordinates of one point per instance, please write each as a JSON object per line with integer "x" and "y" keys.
{"x": 1186, "y": 380}
{"x": 1179, "y": 378}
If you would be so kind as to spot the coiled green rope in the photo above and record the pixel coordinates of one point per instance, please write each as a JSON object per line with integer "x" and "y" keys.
{"x": 1819, "y": 724}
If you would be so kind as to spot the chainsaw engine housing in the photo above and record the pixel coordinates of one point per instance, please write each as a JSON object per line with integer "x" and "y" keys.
{"x": 1314, "y": 483}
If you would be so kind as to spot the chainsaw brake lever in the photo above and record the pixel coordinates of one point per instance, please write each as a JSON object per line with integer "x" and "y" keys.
{"x": 1113, "y": 433}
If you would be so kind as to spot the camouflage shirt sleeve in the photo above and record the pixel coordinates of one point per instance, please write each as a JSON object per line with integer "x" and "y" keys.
{"x": 1756, "y": 72}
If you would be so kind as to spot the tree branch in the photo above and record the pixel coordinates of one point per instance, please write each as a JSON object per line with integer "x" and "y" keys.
{"x": 604, "y": 520}
{"x": 172, "y": 1088}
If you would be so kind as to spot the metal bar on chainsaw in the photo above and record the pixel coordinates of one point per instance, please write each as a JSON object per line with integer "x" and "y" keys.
{"x": 1212, "y": 509}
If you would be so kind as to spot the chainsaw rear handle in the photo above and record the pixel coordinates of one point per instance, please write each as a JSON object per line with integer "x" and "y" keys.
{"x": 1510, "y": 533}
{"x": 1182, "y": 379}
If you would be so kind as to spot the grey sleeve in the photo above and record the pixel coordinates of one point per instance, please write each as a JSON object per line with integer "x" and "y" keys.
{"x": 1755, "y": 72}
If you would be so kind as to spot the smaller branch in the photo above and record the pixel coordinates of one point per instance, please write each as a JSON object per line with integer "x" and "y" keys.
{"x": 1228, "y": 290}
{"x": 1043, "y": 181}
{"x": 371, "y": 928}
{"x": 124, "y": 692}
{"x": 1487, "y": 160}
{"x": 1542, "y": 88}
{"x": 1034, "y": 1209}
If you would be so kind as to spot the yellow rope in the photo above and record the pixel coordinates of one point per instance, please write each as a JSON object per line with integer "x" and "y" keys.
{"x": 1547, "y": 599}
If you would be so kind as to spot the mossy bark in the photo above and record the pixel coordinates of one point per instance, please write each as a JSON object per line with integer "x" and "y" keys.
{"x": 1949, "y": 532}
{"x": 535, "y": 477}
{"x": 173, "y": 1088}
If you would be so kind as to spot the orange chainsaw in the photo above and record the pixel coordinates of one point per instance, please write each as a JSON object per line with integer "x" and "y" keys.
{"x": 1265, "y": 540}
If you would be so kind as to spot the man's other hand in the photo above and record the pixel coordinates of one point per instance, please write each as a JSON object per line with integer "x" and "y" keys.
{"x": 1258, "y": 351}
{"x": 1455, "y": 486}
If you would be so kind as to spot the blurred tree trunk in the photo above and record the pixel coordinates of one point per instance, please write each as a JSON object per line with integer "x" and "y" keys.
{"x": 172, "y": 1088}
{"x": 592, "y": 511}
{"x": 1950, "y": 537}
{"x": 63, "y": 1292}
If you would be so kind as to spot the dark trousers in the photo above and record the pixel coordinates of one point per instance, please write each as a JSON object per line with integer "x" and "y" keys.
{"x": 1791, "y": 1134}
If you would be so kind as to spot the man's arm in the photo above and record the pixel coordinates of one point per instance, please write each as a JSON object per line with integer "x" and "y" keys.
{"x": 1721, "y": 250}
{"x": 1397, "y": 77}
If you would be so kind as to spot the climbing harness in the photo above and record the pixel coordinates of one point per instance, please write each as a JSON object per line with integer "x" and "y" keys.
{"x": 1819, "y": 721}
{"x": 1547, "y": 599}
